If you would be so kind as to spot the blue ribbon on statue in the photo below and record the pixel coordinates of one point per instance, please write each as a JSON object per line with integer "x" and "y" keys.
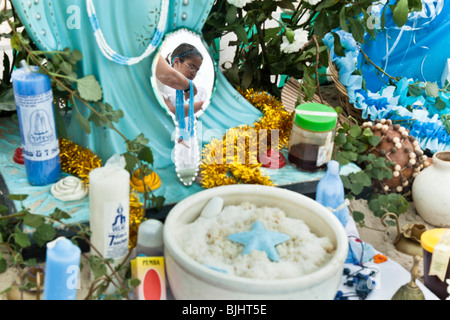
{"x": 179, "y": 111}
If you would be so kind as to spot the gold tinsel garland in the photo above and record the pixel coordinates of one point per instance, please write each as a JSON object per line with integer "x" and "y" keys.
{"x": 79, "y": 161}
{"x": 239, "y": 164}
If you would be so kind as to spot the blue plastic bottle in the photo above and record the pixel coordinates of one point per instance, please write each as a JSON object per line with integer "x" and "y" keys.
{"x": 330, "y": 192}
{"x": 34, "y": 101}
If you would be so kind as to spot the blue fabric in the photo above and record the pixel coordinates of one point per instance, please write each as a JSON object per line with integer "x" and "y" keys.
{"x": 417, "y": 52}
{"x": 128, "y": 87}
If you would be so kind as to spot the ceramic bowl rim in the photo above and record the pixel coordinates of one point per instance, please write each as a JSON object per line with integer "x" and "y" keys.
{"x": 247, "y": 284}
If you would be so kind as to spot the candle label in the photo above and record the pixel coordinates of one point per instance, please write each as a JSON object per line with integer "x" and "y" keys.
{"x": 117, "y": 228}
{"x": 39, "y": 139}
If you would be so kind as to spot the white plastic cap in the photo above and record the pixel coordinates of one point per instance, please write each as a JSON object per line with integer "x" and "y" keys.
{"x": 150, "y": 233}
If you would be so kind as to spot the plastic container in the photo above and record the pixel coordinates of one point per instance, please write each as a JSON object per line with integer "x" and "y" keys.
{"x": 312, "y": 137}
{"x": 40, "y": 146}
{"x": 429, "y": 240}
{"x": 150, "y": 238}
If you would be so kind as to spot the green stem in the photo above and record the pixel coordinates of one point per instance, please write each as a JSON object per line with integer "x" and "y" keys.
{"x": 377, "y": 67}
{"x": 56, "y": 75}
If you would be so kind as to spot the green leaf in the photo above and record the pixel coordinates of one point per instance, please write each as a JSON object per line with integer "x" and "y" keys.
{"x": 360, "y": 177}
{"x": 17, "y": 197}
{"x": 343, "y": 19}
{"x": 375, "y": 207}
{"x": 130, "y": 161}
{"x": 3, "y": 209}
{"x": 59, "y": 214}
{"x": 321, "y": 24}
{"x": 346, "y": 182}
{"x": 356, "y": 188}
{"x": 98, "y": 266}
{"x": 367, "y": 132}
{"x": 355, "y": 131}
{"x": 84, "y": 123}
{"x": 374, "y": 140}
{"x": 21, "y": 238}
{"x": 341, "y": 159}
{"x": 89, "y": 88}
{"x": 325, "y": 4}
{"x": 158, "y": 201}
{"x": 358, "y": 216}
{"x": 338, "y": 45}
{"x": 134, "y": 282}
{"x": 271, "y": 32}
{"x": 286, "y": 4}
{"x": 431, "y": 89}
{"x": 241, "y": 34}
{"x": 61, "y": 130}
{"x": 66, "y": 68}
{"x": 440, "y": 104}
{"x": 45, "y": 232}
{"x": 3, "y": 265}
{"x": 146, "y": 155}
{"x": 414, "y": 90}
{"x": 231, "y": 15}
{"x": 33, "y": 221}
{"x": 290, "y": 35}
{"x": 357, "y": 30}
{"x": 383, "y": 17}
{"x": 400, "y": 12}
{"x": 76, "y": 55}
{"x": 351, "y": 156}
{"x": 416, "y": 5}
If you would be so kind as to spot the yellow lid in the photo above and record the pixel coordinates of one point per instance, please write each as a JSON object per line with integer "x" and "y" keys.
{"x": 430, "y": 238}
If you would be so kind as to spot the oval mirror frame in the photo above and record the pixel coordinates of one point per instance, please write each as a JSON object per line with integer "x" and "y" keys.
{"x": 205, "y": 81}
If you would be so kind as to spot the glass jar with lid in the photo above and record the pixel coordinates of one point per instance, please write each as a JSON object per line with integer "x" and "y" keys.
{"x": 311, "y": 141}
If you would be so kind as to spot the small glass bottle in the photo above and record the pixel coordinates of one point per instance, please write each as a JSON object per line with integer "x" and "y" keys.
{"x": 312, "y": 137}
{"x": 150, "y": 241}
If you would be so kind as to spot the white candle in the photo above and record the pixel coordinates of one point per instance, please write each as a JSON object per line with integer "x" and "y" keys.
{"x": 109, "y": 202}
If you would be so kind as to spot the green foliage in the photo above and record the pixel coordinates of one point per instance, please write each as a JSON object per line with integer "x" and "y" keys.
{"x": 380, "y": 204}
{"x": 259, "y": 61}
{"x": 354, "y": 144}
{"x": 83, "y": 98}
{"x": 429, "y": 89}
{"x": 22, "y": 229}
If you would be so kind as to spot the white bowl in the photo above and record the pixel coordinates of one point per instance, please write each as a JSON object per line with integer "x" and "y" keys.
{"x": 189, "y": 280}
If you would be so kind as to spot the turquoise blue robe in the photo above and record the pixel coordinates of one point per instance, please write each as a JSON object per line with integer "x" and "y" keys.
{"x": 57, "y": 24}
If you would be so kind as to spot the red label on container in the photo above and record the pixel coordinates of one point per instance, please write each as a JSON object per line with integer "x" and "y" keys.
{"x": 151, "y": 285}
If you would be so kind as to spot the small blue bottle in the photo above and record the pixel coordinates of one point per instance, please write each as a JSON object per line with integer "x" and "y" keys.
{"x": 330, "y": 192}
{"x": 34, "y": 101}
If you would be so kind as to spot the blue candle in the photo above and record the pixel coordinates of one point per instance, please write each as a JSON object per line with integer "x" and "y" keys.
{"x": 62, "y": 266}
{"x": 40, "y": 146}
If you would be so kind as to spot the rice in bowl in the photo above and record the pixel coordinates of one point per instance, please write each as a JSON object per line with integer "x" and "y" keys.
{"x": 206, "y": 241}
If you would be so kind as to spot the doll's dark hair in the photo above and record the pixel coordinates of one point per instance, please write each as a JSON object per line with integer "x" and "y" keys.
{"x": 184, "y": 51}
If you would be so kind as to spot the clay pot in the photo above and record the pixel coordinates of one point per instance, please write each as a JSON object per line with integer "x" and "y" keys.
{"x": 431, "y": 191}
{"x": 402, "y": 150}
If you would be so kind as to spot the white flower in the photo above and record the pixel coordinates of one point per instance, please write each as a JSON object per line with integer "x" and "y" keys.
{"x": 239, "y": 3}
{"x": 300, "y": 39}
{"x": 312, "y": 2}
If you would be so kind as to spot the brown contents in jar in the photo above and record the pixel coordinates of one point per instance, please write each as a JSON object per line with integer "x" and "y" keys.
{"x": 304, "y": 156}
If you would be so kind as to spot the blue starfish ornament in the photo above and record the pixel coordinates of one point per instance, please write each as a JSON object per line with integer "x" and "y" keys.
{"x": 260, "y": 239}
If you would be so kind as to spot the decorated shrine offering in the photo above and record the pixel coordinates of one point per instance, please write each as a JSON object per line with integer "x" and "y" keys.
{"x": 119, "y": 118}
